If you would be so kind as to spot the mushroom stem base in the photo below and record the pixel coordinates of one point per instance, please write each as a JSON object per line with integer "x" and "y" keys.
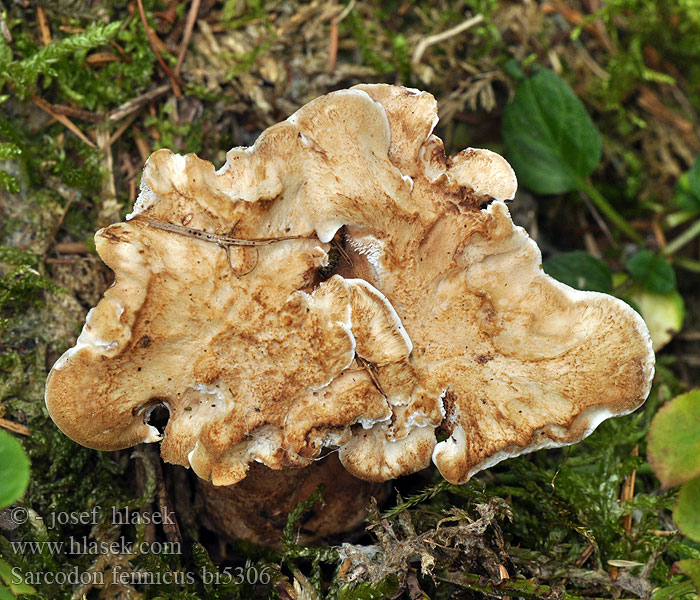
{"x": 256, "y": 509}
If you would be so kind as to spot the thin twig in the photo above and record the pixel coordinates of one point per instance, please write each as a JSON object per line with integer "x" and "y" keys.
{"x": 426, "y": 42}
{"x": 187, "y": 34}
{"x": 14, "y": 427}
{"x": 65, "y": 121}
{"x": 136, "y": 103}
{"x": 150, "y": 34}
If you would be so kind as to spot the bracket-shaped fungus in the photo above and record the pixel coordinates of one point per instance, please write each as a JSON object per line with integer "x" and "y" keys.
{"x": 230, "y": 308}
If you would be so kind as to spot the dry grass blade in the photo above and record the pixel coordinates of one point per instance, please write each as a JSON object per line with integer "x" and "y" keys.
{"x": 133, "y": 105}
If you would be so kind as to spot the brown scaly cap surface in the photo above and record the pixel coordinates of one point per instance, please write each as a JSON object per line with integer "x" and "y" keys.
{"x": 441, "y": 318}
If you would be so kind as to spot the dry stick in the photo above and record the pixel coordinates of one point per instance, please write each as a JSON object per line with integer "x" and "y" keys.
{"x": 150, "y": 34}
{"x": 14, "y": 427}
{"x": 65, "y": 121}
{"x": 426, "y": 42}
{"x": 135, "y": 104}
{"x": 187, "y": 33}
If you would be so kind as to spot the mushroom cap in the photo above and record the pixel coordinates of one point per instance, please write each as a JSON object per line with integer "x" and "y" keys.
{"x": 439, "y": 316}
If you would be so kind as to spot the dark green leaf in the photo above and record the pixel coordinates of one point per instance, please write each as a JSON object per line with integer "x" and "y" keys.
{"x": 674, "y": 440}
{"x": 580, "y": 270}
{"x": 652, "y": 271}
{"x": 14, "y": 469}
{"x": 551, "y": 141}
{"x": 687, "y": 194}
{"x": 686, "y": 513}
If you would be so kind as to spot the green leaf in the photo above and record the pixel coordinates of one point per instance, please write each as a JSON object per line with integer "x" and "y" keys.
{"x": 14, "y": 469}
{"x": 691, "y": 568}
{"x": 674, "y": 441}
{"x": 686, "y": 514}
{"x": 652, "y": 271}
{"x": 687, "y": 194}
{"x": 580, "y": 270}
{"x": 551, "y": 141}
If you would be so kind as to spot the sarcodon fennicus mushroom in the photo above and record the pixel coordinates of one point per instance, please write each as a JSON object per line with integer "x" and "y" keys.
{"x": 341, "y": 285}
